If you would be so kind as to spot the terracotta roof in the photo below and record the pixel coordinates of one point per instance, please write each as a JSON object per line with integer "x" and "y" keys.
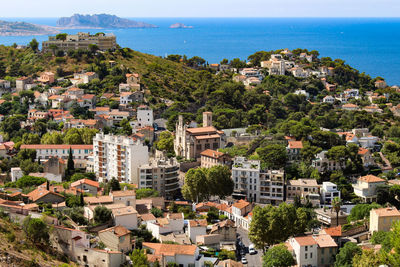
{"x": 148, "y": 217}
{"x": 201, "y": 137}
{"x": 201, "y": 130}
{"x": 42, "y": 146}
{"x": 295, "y": 144}
{"x": 394, "y": 182}
{"x": 241, "y": 204}
{"x": 175, "y": 216}
{"x": 387, "y": 212}
{"x": 229, "y": 263}
{"x": 125, "y": 193}
{"x": 98, "y": 200}
{"x": 362, "y": 151}
{"x": 212, "y": 153}
{"x": 41, "y": 192}
{"x": 118, "y": 230}
{"x": 371, "y": 179}
{"x": 85, "y": 181}
{"x": 124, "y": 211}
{"x": 206, "y": 204}
{"x": 349, "y": 106}
{"x": 325, "y": 241}
{"x": 334, "y": 231}
{"x": 170, "y": 249}
{"x": 303, "y": 182}
{"x": 88, "y": 96}
{"x": 305, "y": 241}
{"x": 198, "y": 223}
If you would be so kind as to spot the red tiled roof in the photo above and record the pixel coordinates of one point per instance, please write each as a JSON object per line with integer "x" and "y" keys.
{"x": 371, "y": 179}
{"x": 170, "y": 249}
{"x": 85, "y": 181}
{"x": 295, "y": 144}
{"x": 305, "y": 241}
{"x": 42, "y": 146}
{"x": 241, "y": 204}
{"x": 212, "y": 153}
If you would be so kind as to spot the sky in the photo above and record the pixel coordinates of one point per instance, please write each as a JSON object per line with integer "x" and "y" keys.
{"x": 202, "y": 8}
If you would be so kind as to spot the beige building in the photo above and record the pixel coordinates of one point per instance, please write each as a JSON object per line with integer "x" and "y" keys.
{"x": 190, "y": 142}
{"x": 382, "y": 219}
{"x": 80, "y": 41}
{"x": 161, "y": 175}
{"x": 210, "y": 158}
{"x": 304, "y": 189}
{"x": 116, "y": 238}
{"x": 366, "y": 187}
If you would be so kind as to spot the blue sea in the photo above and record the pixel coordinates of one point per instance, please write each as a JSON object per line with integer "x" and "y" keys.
{"x": 372, "y": 45}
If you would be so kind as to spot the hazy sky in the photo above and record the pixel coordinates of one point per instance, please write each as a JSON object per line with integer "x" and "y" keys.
{"x": 203, "y": 8}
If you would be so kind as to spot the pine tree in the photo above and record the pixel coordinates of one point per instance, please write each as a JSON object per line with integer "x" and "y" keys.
{"x": 70, "y": 164}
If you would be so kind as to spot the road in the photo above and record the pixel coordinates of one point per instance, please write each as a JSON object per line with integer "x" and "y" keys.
{"x": 253, "y": 260}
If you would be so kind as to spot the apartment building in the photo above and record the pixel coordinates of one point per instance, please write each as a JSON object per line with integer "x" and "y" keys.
{"x": 323, "y": 164}
{"x": 80, "y": 153}
{"x": 82, "y": 41}
{"x": 329, "y": 191}
{"x": 382, "y": 219}
{"x": 118, "y": 157}
{"x": 161, "y": 175}
{"x": 366, "y": 187}
{"x": 263, "y": 186}
{"x": 305, "y": 189}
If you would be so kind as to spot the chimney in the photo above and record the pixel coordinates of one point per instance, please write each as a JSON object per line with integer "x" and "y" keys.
{"x": 207, "y": 119}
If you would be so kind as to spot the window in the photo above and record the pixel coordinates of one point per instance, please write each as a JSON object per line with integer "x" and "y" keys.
{"x": 322, "y": 251}
{"x": 306, "y": 248}
{"x": 305, "y": 255}
{"x": 310, "y": 255}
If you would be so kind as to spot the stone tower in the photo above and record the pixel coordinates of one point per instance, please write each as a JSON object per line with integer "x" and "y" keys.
{"x": 207, "y": 119}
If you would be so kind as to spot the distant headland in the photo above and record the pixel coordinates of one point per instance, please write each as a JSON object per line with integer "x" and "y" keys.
{"x": 18, "y": 28}
{"x": 100, "y": 21}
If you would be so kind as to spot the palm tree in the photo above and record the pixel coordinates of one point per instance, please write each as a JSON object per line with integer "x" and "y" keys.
{"x": 336, "y": 203}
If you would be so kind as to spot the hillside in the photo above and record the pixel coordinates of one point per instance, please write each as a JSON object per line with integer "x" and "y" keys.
{"x": 100, "y": 21}
{"x": 15, "y": 251}
{"x": 8, "y": 28}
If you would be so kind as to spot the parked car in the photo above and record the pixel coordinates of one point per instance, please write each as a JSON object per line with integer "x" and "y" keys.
{"x": 244, "y": 260}
{"x": 252, "y": 249}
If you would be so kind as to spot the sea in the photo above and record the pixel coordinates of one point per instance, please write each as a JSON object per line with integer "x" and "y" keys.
{"x": 371, "y": 45}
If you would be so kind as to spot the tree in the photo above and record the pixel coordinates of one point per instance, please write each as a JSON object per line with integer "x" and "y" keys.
{"x": 273, "y": 156}
{"x": 145, "y": 193}
{"x": 361, "y": 211}
{"x": 166, "y": 142}
{"x": 28, "y": 181}
{"x": 27, "y": 167}
{"x": 219, "y": 181}
{"x": 346, "y": 254}
{"x": 34, "y": 45}
{"x": 394, "y": 258}
{"x": 278, "y": 256}
{"x": 271, "y": 225}
{"x": 195, "y": 187}
{"x": 156, "y": 212}
{"x": 36, "y": 230}
{"x": 61, "y": 36}
{"x": 126, "y": 127}
{"x": 212, "y": 215}
{"x": 139, "y": 258}
{"x": 70, "y": 164}
{"x": 367, "y": 258}
{"x": 102, "y": 215}
{"x": 93, "y": 48}
{"x": 115, "y": 186}
{"x": 336, "y": 203}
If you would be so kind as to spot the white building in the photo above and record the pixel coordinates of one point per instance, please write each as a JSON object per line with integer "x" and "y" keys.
{"x": 80, "y": 153}
{"x": 366, "y": 187}
{"x": 329, "y": 99}
{"x": 145, "y": 116}
{"x": 305, "y": 249}
{"x": 196, "y": 228}
{"x": 328, "y": 192}
{"x": 16, "y": 173}
{"x": 263, "y": 186}
{"x": 118, "y": 157}
{"x": 246, "y": 177}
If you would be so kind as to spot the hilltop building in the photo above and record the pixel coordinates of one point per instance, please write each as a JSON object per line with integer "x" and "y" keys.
{"x": 82, "y": 41}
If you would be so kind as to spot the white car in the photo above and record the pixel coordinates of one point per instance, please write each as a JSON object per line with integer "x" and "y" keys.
{"x": 244, "y": 260}
{"x": 252, "y": 250}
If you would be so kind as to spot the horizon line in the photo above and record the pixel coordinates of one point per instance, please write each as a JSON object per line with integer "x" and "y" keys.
{"x": 215, "y": 17}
